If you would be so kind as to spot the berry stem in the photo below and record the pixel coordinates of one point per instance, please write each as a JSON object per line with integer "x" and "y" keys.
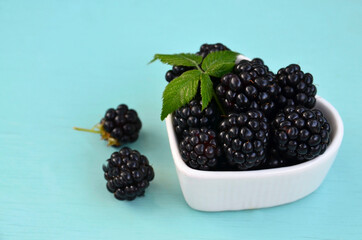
{"x": 86, "y": 130}
{"x": 113, "y": 142}
{"x": 218, "y": 103}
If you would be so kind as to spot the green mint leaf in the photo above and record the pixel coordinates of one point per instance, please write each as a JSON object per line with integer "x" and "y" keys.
{"x": 217, "y": 64}
{"x": 182, "y": 59}
{"x": 206, "y": 90}
{"x": 180, "y": 91}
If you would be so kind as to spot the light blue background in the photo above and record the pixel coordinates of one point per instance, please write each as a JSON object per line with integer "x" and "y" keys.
{"x": 63, "y": 63}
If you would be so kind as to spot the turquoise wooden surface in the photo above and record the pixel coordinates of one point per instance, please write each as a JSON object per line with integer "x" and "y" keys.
{"x": 63, "y": 63}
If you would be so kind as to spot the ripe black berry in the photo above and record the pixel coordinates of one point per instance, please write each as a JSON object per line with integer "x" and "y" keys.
{"x": 122, "y": 124}
{"x": 275, "y": 160}
{"x": 205, "y": 49}
{"x": 297, "y": 88}
{"x": 250, "y": 86}
{"x": 300, "y": 134}
{"x": 128, "y": 174}
{"x": 244, "y": 138}
{"x": 191, "y": 116}
{"x": 118, "y": 126}
{"x": 175, "y": 72}
{"x": 199, "y": 149}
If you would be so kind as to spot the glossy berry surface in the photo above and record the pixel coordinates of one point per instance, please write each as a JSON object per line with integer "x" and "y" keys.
{"x": 122, "y": 124}
{"x": 244, "y": 138}
{"x": 250, "y": 86}
{"x": 128, "y": 174}
{"x": 199, "y": 149}
{"x": 300, "y": 134}
{"x": 191, "y": 116}
{"x": 297, "y": 87}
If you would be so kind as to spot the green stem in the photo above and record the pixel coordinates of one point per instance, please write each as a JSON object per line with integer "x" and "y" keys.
{"x": 198, "y": 68}
{"x": 218, "y": 103}
{"x": 86, "y": 130}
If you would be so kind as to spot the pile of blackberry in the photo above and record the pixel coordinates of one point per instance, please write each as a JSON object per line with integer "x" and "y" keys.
{"x": 262, "y": 120}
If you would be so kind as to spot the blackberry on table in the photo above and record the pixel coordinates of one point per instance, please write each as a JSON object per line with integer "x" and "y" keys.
{"x": 119, "y": 126}
{"x": 128, "y": 174}
{"x": 199, "y": 149}
{"x": 300, "y": 134}
{"x": 250, "y": 86}
{"x": 122, "y": 123}
{"x": 191, "y": 116}
{"x": 244, "y": 139}
{"x": 297, "y": 87}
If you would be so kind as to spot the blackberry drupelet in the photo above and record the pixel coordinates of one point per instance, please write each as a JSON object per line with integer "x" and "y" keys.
{"x": 250, "y": 86}
{"x": 199, "y": 149}
{"x": 128, "y": 174}
{"x": 244, "y": 138}
{"x": 205, "y": 49}
{"x": 300, "y": 134}
{"x": 191, "y": 116}
{"x": 297, "y": 88}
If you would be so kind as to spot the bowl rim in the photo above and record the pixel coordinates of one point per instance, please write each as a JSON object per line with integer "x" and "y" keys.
{"x": 330, "y": 151}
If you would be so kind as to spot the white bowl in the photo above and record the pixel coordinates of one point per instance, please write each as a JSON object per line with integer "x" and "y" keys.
{"x": 223, "y": 191}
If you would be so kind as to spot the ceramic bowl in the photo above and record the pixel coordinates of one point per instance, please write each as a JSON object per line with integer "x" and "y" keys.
{"x": 238, "y": 190}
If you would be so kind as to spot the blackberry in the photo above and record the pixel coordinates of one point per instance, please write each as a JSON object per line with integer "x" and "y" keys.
{"x": 275, "y": 160}
{"x": 175, "y": 72}
{"x": 297, "y": 88}
{"x": 250, "y": 86}
{"x": 123, "y": 124}
{"x": 191, "y": 116}
{"x": 119, "y": 126}
{"x": 128, "y": 174}
{"x": 199, "y": 149}
{"x": 205, "y": 49}
{"x": 244, "y": 138}
{"x": 300, "y": 134}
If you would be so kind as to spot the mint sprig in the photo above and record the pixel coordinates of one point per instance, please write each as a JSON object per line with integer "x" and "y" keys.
{"x": 183, "y": 89}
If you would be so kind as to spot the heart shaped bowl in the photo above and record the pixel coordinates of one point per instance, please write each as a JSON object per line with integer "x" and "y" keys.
{"x": 238, "y": 190}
